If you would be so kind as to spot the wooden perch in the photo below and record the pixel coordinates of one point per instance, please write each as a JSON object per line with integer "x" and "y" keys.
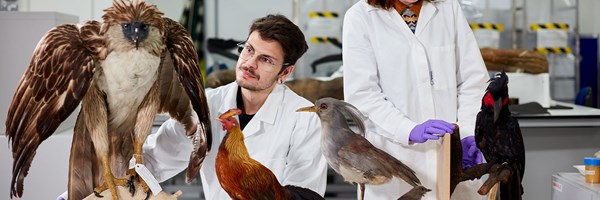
{"x": 458, "y": 174}
{"x": 124, "y": 194}
{"x": 497, "y": 173}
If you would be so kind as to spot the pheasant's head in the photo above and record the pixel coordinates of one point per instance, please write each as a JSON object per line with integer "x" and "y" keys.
{"x": 228, "y": 120}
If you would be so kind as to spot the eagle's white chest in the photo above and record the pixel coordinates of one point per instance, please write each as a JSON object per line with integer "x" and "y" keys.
{"x": 126, "y": 79}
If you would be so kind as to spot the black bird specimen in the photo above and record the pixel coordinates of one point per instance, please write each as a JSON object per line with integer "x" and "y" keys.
{"x": 499, "y": 138}
{"x": 350, "y": 154}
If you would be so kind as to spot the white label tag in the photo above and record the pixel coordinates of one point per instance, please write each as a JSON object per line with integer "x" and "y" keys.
{"x": 590, "y": 172}
{"x": 132, "y": 162}
{"x": 557, "y": 186}
{"x": 148, "y": 178}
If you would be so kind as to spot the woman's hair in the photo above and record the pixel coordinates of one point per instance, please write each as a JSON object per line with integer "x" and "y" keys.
{"x": 284, "y": 31}
{"x": 386, "y": 4}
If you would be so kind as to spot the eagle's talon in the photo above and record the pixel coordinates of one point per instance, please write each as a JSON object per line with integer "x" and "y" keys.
{"x": 98, "y": 194}
{"x": 147, "y": 195}
{"x": 131, "y": 185}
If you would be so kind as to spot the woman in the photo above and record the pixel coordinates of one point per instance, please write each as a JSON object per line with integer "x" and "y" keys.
{"x": 415, "y": 69}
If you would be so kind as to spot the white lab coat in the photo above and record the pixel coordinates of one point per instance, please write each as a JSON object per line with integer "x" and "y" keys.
{"x": 400, "y": 79}
{"x": 285, "y": 141}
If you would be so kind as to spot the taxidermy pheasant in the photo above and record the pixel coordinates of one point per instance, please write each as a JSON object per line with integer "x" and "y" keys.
{"x": 245, "y": 178}
{"x": 350, "y": 154}
{"x": 499, "y": 138}
{"x": 123, "y": 72}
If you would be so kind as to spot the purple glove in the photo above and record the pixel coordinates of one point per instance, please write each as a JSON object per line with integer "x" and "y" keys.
{"x": 430, "y": 130}
{"x": 471, "y": 154}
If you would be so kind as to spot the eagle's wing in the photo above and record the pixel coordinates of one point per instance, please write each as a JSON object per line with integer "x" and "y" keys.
{"x": 57, "y": 79}
{"x": 186, "y": 77}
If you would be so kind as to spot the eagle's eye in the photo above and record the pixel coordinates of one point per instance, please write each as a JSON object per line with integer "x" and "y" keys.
{"x": 144, "y": 26}
{"x": 125, "y": 25}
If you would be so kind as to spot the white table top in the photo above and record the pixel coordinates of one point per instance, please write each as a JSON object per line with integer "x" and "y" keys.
{"x": 578, "y": 116}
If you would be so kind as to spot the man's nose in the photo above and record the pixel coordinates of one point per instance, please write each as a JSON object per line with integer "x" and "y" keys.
{"x": 251, "y": 62}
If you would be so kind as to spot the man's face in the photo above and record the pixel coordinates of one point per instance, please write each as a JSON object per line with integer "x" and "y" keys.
{"x": 253, "y": 74}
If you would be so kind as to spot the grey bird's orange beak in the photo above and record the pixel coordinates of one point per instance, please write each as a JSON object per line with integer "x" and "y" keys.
{"x": 307, "y": 109}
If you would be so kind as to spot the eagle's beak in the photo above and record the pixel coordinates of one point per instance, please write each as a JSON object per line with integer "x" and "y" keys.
{"x": 136, "y": 32}
{"x": 307, "y": 109}
{"x": 135, "y": 37}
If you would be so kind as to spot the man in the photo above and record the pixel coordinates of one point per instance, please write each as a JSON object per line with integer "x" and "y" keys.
{"x": 284, "y": 141}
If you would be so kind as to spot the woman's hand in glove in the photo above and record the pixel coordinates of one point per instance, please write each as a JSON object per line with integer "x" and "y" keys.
{"x": 471, "y": 154}
{"x": 432, "y": 129}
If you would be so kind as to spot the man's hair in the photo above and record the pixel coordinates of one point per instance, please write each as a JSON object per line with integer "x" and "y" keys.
{"x": 386, "y": 4}
{"x": 284, "y": 31}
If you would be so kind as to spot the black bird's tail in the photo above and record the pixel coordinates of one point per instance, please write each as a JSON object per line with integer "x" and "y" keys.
{"x": 512, "y": 189}
{"x": 299, "y": 193}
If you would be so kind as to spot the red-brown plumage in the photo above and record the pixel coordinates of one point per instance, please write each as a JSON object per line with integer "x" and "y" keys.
{"x": 245, "y": 178}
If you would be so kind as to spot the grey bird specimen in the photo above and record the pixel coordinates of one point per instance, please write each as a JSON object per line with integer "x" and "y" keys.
{"x": 350, "y": 154}
{"x": 415, "y": 194}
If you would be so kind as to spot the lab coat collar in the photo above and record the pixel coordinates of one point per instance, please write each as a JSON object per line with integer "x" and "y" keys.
{"x": 428, "y": 10}
{"x": 266, "y": 113}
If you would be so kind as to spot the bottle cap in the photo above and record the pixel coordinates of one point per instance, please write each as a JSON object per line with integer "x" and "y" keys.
{"x": 591, "y": 161}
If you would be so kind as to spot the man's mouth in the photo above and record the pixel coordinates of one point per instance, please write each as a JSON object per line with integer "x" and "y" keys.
{"x": 249, "y": 74}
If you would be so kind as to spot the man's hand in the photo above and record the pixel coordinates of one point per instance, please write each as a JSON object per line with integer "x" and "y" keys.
{"x": 471, "y": 154}
{"x": 430, "y": 130}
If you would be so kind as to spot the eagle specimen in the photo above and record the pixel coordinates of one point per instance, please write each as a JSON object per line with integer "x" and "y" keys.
{"x": 498, "y": 135}
{"x": 123, "y": 72}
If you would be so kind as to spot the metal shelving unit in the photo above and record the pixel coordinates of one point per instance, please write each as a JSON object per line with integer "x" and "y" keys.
{"x": 564, "y": 67}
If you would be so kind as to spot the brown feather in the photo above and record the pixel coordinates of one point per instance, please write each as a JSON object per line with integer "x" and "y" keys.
{"x": 186, "y": 64}
{"x": 41, "y": 102}
{"x": 84, "y": 167}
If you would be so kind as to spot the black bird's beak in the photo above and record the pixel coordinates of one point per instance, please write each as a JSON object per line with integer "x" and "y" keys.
{"x": 497, "y": 108}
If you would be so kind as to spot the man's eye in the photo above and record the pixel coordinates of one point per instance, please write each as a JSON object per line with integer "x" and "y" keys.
{"x": 266, "y": 60}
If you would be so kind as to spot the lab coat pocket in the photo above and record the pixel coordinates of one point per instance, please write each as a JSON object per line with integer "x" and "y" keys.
{"x": 443, "y": 67}
{"x": 276, "y": 165}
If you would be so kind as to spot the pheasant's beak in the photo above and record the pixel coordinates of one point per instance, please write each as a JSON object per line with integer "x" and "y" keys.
{"x": 230, "y": 113}
{"x": 307, "y": 109}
